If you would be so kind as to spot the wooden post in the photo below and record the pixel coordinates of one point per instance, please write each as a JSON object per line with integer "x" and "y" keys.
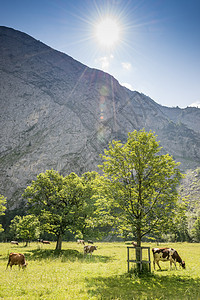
{"x": 149, "y": 260}
{"x": 128, "y": 258}
{"x": 138, "y": 261}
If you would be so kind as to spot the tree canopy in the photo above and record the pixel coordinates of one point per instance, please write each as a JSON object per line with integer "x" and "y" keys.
{"x": 2, "y": 208}
{"x": 141, "y": 184}
{"x": 57, "y": 201}
{"x": 196, "y": 230}
{"x": 25, "y": 228}
{"x": 87, "y": 220}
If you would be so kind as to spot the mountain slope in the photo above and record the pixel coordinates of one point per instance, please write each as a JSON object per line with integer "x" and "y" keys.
{"x": 190, "y": 190}
{"x": 58, "y": 113}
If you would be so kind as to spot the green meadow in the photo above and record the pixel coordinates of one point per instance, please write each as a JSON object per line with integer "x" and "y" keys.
{"x": 68, "y": 274}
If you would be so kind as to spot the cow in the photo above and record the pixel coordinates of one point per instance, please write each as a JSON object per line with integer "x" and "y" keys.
{"x": 14, "y": 243}
{"x": 81, "y": 242}
{"x": 90, "y": 242}
{"x": 167, "y": 254}
{"x": 134, "y": 244}
{"x": 45, "y": 242}
{"x": 16, "y": 259}
{"x": 89, "y": 249}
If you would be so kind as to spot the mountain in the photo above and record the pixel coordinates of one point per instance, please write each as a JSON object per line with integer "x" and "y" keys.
{"x": 190, "y": 190}
{"x": 58, "y": 113}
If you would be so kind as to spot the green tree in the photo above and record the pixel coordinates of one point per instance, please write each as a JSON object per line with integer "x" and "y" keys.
{"x": 25, "y": 228}
{"x": 14, "y": 231}
{"x": 2, "y": 208}
{"x": 57, "y": 201}
{"x": 141, "y": 183}
{"x": 95, "y": 221}
{"x": 179, "y": 226}
{"x": 85, "y": 223}
{"x": 196, "y": 230}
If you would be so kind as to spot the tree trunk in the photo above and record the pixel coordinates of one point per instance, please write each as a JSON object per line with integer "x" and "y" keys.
{"x": 138, "y": 252}
{"x": 59, "y": 242}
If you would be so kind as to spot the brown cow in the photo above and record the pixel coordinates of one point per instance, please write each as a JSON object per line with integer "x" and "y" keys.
{"x": 46, "y": 242}
{"x": 167, "y": 254}
{"x": 16, "y": 259}
{"x": 134, "y": 244}
{"x": 89, "y": 249}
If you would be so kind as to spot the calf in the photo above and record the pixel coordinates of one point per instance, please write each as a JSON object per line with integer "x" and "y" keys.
{"x": 14, "y": 243}
{"x": 81, "y": 242}
{"x": 167, "y": 254}
{"x": 89, "y": 249}
{"x": 16, "y": 259}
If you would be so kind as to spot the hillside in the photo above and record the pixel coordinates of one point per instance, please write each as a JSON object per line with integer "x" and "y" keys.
{"x": 190, "y": 190}
{"x": 58, "y": 113}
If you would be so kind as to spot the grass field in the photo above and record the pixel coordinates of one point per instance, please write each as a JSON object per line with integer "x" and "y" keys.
{"x": 68, "y": 274}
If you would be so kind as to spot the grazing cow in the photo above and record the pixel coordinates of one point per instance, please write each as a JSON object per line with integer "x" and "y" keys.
{"x": 89, "y": 249}
{"x": 90, "y": 242}
{"x": 167, "y": 254}
{"x": 81, "y": 242}
{"x": 14, "y": 243}
{"x": 45, "y": 242}
{"x": 134, "y": 244}
{"x": 16, "y": 259}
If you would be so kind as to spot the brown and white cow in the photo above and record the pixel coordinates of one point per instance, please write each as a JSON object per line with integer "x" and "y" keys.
{"x": 89, "y": 249}
{"x": 16, "y": 259}
{"x": 81, "y": 242}
{"x": 14, "y": 242}
{"x": 90, "y": 242}
{"x": 167, "y": 254}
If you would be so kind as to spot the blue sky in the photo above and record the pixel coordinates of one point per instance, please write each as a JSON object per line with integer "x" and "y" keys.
{"x": 157, "y": 52}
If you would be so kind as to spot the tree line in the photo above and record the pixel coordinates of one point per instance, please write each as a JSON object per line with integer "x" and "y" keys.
{"x": 135, "y": 197}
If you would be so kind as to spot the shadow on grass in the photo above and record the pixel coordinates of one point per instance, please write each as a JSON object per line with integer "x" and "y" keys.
{"x": 97, "y": 258}
{"x": 39, "y": 254}
{"x": 128, "y": 287}
{"x": 63, "y": 255}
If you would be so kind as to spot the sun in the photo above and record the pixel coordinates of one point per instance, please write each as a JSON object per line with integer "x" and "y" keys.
{"x": 107, "y": 32}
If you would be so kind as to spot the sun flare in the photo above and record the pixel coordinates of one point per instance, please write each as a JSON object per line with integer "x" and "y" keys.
{"x": 107, "y": 32}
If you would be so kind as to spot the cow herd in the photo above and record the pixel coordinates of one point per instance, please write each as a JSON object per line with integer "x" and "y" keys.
{"x": 39, "y": 241}
{"x": 159, "y": 254}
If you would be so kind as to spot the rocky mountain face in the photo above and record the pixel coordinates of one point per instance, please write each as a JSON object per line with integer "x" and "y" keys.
{"x": 190, "y": 190}
{"x": 58, "y": 113}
